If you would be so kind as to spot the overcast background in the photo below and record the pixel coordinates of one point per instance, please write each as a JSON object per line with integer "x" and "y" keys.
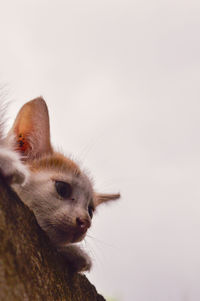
{"x": 121, "y": 79}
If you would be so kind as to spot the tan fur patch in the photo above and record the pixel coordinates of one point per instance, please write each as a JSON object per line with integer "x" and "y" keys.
{"x": 55, "y": 161}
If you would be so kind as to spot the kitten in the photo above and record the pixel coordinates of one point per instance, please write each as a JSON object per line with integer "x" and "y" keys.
{"x": 53, "y": 186}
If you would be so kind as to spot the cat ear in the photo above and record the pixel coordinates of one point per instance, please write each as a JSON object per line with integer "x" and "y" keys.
{"x": 104, "y": 198}
{"x": 31, "y": 130}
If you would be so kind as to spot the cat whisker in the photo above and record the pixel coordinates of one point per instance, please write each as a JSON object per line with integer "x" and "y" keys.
{"x": 99, "y": 241}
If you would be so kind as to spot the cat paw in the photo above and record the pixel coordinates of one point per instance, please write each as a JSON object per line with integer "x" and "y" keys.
{"x": 12, "y": 168}
{"x": 76, "y": 259}
{"x": 82, "y": 264}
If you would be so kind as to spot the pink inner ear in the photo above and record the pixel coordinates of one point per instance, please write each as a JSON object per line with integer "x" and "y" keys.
{"x": 23, "y": 144}
{"x": 31, "y": 129}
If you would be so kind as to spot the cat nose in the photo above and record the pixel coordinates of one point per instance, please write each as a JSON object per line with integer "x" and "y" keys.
{"x": 83, "y": 223}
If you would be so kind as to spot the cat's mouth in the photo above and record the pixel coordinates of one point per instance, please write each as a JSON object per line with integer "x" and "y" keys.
{"x": 65, "y": 236}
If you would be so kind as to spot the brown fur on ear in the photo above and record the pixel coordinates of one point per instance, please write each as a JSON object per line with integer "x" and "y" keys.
{"x": 31, "y": 129}
{"x": 104, "y": 198}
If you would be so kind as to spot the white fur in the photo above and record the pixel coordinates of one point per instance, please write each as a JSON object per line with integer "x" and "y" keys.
{"x": 11, "y": 166}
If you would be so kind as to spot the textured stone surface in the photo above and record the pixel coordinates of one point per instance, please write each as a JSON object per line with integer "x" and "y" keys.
{"x": 30, "y": 269}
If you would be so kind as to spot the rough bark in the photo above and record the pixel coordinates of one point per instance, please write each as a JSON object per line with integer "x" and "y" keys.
{"x": 30, "y": 268}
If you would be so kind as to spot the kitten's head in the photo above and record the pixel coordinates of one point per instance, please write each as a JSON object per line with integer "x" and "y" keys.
{"x": 60, "y": 194}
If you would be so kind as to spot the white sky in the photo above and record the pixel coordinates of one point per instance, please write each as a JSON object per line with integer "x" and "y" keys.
{"x": 121, "y": 79}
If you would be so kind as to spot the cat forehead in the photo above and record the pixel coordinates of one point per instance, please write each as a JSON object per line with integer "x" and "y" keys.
{"x": 56, "y": 162}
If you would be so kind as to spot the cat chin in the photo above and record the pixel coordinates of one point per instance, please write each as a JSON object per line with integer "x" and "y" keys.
{"x": 74, "y": 238}
{"x": 63, "y": 238}
{"x": 78, "y": 238}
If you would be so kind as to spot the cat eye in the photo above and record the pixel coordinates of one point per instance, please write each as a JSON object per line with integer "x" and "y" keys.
{"x": 64, "y": 189}
{"x": 90, "y": 211}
